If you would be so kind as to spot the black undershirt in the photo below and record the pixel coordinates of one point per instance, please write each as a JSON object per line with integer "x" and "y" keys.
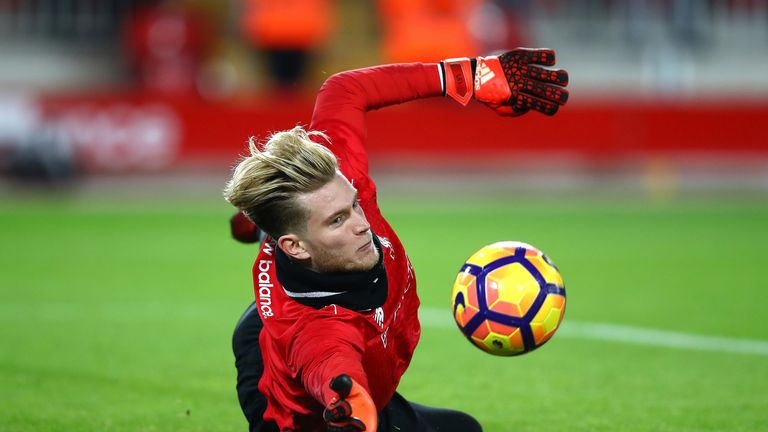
{"x": 355, "y": 290}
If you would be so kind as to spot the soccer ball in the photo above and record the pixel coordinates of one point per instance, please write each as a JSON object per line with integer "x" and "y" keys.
{"x": 508, "y": 298}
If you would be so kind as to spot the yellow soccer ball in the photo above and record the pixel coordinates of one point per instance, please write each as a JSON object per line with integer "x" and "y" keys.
{"x": 508, "y": 298}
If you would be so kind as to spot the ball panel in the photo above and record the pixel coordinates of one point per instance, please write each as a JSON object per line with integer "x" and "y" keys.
{"x": 489, "y": 254}
{"x": 465, "y": 305}
{"x": 512, "y": 246}
{"x": 503, "y": 340}
{"x": 481, "y": 332}
{"x": 547, "y": 320}
{"x": 481, "y": 345}
{"x": 464, "y": 314}
{"x": 532, "y": 253}
{"x": 548, "y": 272}
{"x": 510, "y": 290}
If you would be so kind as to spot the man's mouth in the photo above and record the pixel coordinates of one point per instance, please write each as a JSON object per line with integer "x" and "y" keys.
{"x": 367, "y": 244}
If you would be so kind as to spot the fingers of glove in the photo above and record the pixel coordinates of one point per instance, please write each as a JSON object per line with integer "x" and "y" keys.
{"x": 547, "y": 92}
{"x": 358, "y": 409}
{"x": 342, "y": 385}
{"x": 540, "y": 56}
{"x": 518, "y": 105}
{"x": 347, "y": 425}
{"x": 338, "y": 410}
{"x": 510, "y": 111}
{"x": 556, "y": 76}
{"x": 536, "y": 104}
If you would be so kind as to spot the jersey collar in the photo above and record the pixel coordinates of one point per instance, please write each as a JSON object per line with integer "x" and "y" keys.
{"x": 357, "y": 290}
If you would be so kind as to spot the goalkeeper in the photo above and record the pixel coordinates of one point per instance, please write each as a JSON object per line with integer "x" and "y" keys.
{"x": 334, "y": 323}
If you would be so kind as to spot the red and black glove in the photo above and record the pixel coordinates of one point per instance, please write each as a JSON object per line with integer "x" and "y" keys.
{"x": 511, "y": 84}
{"x": 243, "y": 230}
{"x": 352, "y": 410}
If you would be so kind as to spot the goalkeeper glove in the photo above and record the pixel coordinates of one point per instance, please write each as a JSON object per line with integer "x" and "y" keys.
{"x": 511, "y": 84}
{"x": 243, "y": 230}
{"x": 353, "y": 410}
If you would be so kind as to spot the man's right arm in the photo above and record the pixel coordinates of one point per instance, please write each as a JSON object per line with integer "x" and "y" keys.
{"x": 326, "y": 347}
{"x": 326, "y": 355}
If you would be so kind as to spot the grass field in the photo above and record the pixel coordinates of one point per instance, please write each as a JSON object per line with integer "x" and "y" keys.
{"x": 117, "y": 316}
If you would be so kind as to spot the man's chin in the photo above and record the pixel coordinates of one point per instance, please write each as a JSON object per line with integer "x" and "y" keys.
{"x": 374, "y": 258}
{"x": 346, "y": 267}
{"x": 363, "y": 266}
{"x": 365, "y": 263}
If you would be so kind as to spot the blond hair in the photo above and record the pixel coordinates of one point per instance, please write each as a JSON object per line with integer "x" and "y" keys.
{"x": 266, "y": 184}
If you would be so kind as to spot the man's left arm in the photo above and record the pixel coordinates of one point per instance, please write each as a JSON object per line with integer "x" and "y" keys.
{"x": 345, "y": 98}
{"x": 512, "y": 84}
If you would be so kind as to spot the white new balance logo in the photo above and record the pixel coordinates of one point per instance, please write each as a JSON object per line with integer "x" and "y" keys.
{"x": 378, "y": 316}
{"x": 387, "y": 244}
{"x": 483, "y": 75}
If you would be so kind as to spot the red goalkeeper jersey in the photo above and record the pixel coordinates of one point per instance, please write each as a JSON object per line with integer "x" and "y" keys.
{"x": 303, "y": 348}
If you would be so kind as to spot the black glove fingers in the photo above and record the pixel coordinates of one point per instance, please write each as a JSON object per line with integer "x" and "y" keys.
{"x": 512, "y": 66}
{"x": 548, "y": 92}
{"x": 339, "y": 410}
{"x": 537, "y": 104}
{"x": 352, "y": 424}
{"x": 342, "y": 385}
{"x": 557, "y": 76}
{"x": 544, "y": 57}
{"x": 518, "y": 105}
{"x": 522, "y": 56}
{"x": 345, "y": 428}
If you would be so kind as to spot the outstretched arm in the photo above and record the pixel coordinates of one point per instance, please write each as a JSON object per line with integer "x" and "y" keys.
{"x": 345, "y": 97}
{"x": 336, "y": 361}
{"x": 511, "y": 84}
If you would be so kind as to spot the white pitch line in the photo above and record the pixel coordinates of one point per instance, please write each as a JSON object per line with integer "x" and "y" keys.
{"x": 441, "y": 318}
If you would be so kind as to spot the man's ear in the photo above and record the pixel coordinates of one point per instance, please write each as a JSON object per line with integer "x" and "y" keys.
{"x": 293, "y": 247}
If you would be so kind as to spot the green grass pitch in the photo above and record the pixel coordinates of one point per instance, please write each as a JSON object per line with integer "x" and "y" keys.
{"x": 118, "y": 316}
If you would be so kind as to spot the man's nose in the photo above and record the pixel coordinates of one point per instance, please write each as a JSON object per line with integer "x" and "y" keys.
{"x": 361, "y": 223}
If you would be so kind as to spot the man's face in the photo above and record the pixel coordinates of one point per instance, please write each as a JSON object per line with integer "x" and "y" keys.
{"x": 338, "y": 236}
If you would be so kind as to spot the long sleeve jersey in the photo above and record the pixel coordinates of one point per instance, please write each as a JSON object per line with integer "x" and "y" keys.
{"x": 303, "y": 348}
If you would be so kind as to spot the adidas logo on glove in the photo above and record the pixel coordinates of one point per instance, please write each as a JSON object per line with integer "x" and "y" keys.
{"x": 483, "y": 75}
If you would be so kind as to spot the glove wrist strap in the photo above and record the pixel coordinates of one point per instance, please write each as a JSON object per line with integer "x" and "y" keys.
{"x": 457, "y": 76}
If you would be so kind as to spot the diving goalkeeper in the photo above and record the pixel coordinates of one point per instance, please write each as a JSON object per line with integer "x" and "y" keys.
{"x": 334, "y": 323}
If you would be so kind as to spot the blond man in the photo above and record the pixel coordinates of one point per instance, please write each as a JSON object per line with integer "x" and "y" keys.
{"x": 334, "y": 323}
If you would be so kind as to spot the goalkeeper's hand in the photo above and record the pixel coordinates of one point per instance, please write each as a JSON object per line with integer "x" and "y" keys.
{"x": 243, "y": 230}
{"x": 352, "y": 410}
{"x": 511, "y": 84}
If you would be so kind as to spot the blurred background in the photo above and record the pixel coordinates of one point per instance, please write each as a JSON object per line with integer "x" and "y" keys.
{"x": 667, "y": 96}
{"x": 121, "y": 119}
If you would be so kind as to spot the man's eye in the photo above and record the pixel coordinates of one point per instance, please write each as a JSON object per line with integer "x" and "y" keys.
{"x": 337, "y": 220}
